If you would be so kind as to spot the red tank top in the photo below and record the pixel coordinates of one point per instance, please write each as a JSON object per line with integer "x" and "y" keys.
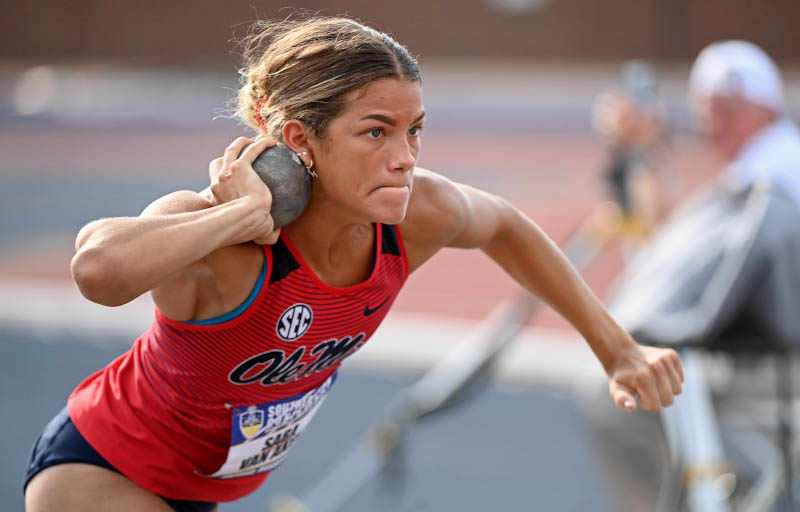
{"x": 165, "y": 412}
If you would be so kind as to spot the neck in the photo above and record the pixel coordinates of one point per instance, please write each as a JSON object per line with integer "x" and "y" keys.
{"x": 337, "y": 246}
{"x": 758, "y": 120}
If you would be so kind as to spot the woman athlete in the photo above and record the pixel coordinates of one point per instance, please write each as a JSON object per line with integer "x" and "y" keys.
{"x": 252, "y": 322}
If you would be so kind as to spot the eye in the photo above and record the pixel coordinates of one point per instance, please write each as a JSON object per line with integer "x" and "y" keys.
{"x": 415, "y": 131}
{"x": 375, "y": 133}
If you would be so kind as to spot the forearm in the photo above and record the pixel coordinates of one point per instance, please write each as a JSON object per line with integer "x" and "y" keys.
{"x": 533, "y": 260}
{"x": 469, "y": 218}
{"x": 118, "y": 259}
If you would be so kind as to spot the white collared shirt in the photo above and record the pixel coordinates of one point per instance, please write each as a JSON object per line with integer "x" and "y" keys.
{"x": 773, "y": 154}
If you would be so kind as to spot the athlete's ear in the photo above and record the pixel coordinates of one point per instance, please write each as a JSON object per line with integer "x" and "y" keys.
{"x": 295, "y": 135}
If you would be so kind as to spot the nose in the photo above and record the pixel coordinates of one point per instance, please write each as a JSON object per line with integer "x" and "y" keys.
{"x": 404, "y": 155}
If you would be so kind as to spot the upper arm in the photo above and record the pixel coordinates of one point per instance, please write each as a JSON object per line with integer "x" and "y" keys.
{"x": 177, "y": 297}
{"x": 442, "y": 213}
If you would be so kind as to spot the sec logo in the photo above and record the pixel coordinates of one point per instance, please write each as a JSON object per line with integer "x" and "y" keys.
{"x": 294, "y": 322}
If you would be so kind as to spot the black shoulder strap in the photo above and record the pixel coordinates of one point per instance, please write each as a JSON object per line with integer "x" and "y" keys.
{"x": 389, "y": 242}
{"x": 282, "y": 261}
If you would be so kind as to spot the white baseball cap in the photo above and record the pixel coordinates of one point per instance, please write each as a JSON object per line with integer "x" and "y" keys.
{"x": 737, "y": 68}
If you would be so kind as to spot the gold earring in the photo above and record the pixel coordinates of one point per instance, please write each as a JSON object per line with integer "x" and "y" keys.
{"x": 308, "y": 166}
{"x": 309, "y": 169}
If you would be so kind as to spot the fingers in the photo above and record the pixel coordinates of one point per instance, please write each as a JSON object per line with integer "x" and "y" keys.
{"x": 663, "y": 384}
{"x": 648, "y": 393}
{"x": 663, "y": 381}
{"x": 214, "y": 170}
{"x": 669, "y": 375}
{"x": 269, "y": 239}
{"x": 653, "y": 375}
{"x": 623, "y": 396}
{"x": 665, "y": 378}
{"x": 241, "y": 150}
{"x": 252, "y": 151}
{"x": 232, "y": 177}
{"x": 233, "y": 151}
{"x": 676, "y": 363}
{"x": 221, "y": 165}
{"x": 675, "y": 372}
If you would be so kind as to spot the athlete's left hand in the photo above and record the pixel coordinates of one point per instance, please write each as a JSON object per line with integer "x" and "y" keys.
{"x": 653, "y": 375}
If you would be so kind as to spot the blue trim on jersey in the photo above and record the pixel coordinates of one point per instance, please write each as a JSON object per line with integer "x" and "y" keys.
{"x": 242, "y": 307}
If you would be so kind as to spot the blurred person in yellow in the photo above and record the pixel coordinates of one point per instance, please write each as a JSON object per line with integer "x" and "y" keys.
{"x": 722, "y": 269}
{"x": 252, "y": 322}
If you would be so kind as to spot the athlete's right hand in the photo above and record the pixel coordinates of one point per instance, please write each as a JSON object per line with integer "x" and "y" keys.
{"x": 232, "y": 177}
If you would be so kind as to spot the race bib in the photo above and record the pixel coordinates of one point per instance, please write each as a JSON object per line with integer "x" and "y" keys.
{"x": 262, "y": 435}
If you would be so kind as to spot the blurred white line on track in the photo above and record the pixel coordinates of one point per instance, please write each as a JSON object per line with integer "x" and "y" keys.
{"x": 405, "y": 342}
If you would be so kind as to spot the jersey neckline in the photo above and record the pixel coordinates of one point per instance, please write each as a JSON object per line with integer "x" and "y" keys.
{"x": 376, "y": 263}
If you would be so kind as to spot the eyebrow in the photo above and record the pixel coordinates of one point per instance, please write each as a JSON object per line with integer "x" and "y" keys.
{"x": 388, "y": 120}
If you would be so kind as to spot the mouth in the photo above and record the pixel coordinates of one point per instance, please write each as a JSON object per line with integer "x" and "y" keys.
{"x": 393, "y": 192}
{"x": 403, "y": 185}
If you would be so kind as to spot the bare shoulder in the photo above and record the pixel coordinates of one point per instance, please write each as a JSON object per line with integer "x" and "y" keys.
{"x": 209, "y": 285}
{"x": 181, "y": 201}
{"x": 437, "y": 213}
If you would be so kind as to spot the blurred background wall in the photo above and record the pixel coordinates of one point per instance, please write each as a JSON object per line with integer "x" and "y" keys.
{"x": 198, "y": 31}
{"x": 106, "y": 105}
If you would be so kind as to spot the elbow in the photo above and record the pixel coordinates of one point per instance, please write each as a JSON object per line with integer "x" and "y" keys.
{"x": 94, "y": 275}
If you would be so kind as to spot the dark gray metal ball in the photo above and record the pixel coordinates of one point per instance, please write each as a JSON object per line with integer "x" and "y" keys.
{"x": 287, "y": 179}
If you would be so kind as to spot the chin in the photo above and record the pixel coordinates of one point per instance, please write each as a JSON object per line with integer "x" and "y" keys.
{"x": 391, "y": 206}
{"x": 390, "y": 214}
{"x": 394, "y": 217}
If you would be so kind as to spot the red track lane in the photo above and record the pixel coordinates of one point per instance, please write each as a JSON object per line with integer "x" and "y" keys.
{"x": 553, "y": 178}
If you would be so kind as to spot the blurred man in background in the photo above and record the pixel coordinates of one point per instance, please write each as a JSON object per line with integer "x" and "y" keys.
{"x": 723, "y": 269}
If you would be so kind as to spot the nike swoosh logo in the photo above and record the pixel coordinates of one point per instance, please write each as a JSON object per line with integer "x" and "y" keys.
{"x": 368, "y": 310}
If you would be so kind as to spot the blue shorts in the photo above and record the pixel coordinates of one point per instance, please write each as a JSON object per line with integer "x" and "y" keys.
{"x": 60, "y": 442}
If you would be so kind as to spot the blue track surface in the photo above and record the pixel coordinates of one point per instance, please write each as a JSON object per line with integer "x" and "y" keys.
{"x": 502, "y": 449}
